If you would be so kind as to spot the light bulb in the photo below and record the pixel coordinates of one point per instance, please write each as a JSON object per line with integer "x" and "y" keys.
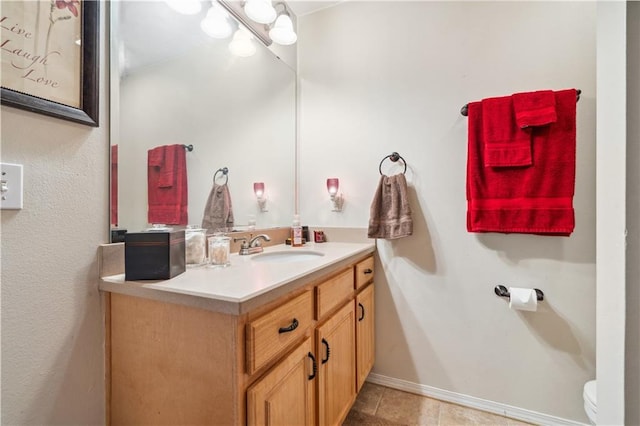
{"x": 258, "y": 189}
{"x": 332, "y": 186}
{"x": 261, "y": 11}
{"x": 242, "y": 44}
{"x": 216, "y": 23}
{"x": 282, "y": 31}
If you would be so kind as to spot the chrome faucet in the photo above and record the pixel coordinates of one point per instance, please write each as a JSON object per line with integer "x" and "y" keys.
{"x": 254, "y": 245}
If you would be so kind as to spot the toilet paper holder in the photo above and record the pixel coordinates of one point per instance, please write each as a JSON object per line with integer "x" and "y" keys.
{"x": 502, "y": 291}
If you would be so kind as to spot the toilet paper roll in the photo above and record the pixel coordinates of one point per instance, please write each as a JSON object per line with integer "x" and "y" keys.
{"x": 523, "y": 299}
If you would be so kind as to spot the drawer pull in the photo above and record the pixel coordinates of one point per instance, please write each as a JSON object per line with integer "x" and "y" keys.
{"x": 315, "y": 366}
{"x": 368, "y": 271}
{"x": 293, "y": 326}
{"x": 361, "y": 307}
{"x": 324, "y": 342}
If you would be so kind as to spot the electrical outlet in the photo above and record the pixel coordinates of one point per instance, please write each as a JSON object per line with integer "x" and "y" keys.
{"x": 11, "y": 186}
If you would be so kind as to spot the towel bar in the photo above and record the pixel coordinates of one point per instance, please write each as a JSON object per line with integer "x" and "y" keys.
{"x": 465, "y": 109}
{"x": 394, "y": 156}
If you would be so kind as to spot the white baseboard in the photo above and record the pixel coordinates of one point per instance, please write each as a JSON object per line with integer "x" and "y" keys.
{"x": 470, "y": 401}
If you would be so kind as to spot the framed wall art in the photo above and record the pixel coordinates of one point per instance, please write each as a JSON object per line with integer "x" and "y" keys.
{"x": 49, "y": 51}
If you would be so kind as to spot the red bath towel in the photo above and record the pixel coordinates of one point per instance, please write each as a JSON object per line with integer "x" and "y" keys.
{"x": 505, "y": 144}
{"x": 167, "y": 185}
{"x": 530, "y": 200}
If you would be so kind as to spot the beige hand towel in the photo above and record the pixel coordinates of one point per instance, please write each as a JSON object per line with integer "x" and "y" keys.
{"x": 390, "y": 211}
{"x": 218, "y": 212}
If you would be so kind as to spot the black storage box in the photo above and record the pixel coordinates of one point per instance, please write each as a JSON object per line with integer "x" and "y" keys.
{"x": 117, "y": 235}
{"x": 153, "y": 255}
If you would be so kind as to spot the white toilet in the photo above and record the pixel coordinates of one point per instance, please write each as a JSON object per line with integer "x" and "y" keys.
{"x": 590, "y": 403}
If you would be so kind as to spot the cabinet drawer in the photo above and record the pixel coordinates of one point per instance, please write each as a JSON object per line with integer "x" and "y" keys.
{"x": 334, "y": 291}
{"x": 271, "y": 333}
{"x": 364, "y": 272}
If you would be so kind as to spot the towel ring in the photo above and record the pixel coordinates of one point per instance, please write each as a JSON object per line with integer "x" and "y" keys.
{"x": 225, "y": 173}
{"x": 394, "y": 156}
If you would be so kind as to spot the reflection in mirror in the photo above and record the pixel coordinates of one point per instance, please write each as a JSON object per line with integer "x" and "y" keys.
{"x": 172, "y": 84}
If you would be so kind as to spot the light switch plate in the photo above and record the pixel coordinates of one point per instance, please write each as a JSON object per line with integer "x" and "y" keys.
{"x": 11, "y": 186}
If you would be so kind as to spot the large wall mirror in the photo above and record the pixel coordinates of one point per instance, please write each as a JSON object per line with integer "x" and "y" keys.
{"x": 173, "y": 84}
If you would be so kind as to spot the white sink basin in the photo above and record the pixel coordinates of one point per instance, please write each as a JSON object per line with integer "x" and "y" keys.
{"x": 287, "y": 256}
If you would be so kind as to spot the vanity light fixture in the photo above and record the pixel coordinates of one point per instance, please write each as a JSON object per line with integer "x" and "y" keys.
{"x": 282, "y": 30}
{"x": 242, "y": 43}
{"x": 333, "y": 184}
{"x": 258, "y": 189}
{"x": 216, "y": 24}
{"x": 260, "y": 11}
{"x": 186, "y": 7}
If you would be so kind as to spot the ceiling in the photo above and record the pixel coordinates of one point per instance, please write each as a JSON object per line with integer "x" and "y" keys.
{"x": 305, "y": 7}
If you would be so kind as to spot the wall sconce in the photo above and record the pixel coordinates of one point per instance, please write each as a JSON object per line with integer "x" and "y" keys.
{"x": 259, "y": 16}
{"x": 258, "y": 189}
{"x": 333, "y": 184}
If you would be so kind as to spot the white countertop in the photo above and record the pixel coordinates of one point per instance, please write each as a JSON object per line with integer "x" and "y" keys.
{"x": 246, "y": 283}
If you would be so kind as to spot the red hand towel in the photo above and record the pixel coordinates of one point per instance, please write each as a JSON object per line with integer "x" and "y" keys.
{"x": 167, "y": 203}
{"x": 114, "y": 185}
{"x": 534, "y": 108}
{"x": 530, "y": 200}
{"x": 163, "y": 157}
{"x": 505, "y": 145}
{"x": 155, "y": 156}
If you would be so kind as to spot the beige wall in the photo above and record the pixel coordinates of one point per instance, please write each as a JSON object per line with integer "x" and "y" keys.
{"x": 52, "y": 332}
{"x": 378, "y": 77}
{"x": 632, "y": 374}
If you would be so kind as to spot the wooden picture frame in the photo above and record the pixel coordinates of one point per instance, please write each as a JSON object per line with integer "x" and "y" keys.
{"x": 85, "y": 110}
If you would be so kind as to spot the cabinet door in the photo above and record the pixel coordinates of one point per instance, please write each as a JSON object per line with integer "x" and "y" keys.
{"x": 337, "y": 366}
{"x": 285, "y": 395}
{"x": 365, "y": 347}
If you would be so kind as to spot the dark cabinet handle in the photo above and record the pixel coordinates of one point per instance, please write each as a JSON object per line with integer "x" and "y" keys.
{"x": 361, "y": 307}
{"x": 326, "y": 344}
{"x": 293, "y": 326}
{"x": 368, "y": 271}
{"x": 315, "y": 366}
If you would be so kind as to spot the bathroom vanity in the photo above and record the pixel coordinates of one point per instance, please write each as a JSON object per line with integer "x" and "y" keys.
{"x": 286, "y": 337}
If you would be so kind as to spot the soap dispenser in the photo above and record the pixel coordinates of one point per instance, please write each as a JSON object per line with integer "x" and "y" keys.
{"x": 296, "y": 232}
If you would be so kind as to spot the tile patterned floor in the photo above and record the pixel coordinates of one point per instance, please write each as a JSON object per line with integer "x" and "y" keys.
{"x": 382, "y": 406}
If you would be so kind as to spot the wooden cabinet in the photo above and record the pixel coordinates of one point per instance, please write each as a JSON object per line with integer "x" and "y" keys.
{"x": 335, "y": 340}
{"x": 286, "y": 394}
{"x": 297, "y": 360}
{"x": 365, "y": 340}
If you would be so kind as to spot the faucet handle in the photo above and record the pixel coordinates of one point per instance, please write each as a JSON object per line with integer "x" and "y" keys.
{"x": 245, "y": 243}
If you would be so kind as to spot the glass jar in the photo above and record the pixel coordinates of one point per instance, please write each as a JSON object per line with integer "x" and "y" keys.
{"x": 195, "y": 245}
{"x": 219, "y": 250}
